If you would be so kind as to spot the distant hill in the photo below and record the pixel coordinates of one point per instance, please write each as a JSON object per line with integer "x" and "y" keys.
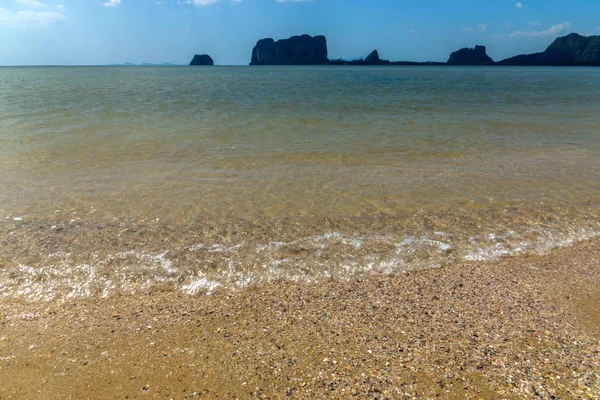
{"x": 202, "y": 59}
{"x": 159, "y": 65}
{"x": 297, "y": 50}
{"x": 466, "y": 56}
{"x": 310, "y": 50}
{"x": 128, "y": 64}
{"x": 572, "y": 49}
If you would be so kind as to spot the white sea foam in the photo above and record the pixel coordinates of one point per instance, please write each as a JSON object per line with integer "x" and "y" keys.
{"x": 198, "y": 284}
{"x": 235, "y": 266}
{"x": 412, "y": 244}
{"x": 220, "y": 248}
{"x": 497, "y": 245}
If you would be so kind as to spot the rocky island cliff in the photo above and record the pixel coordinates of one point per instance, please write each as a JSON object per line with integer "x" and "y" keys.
{"x": 371, "y": 59}
{"x": 297, "y": 50}
{"x": 202, "y": 59}
{"x": 466, "y": 56}
{"x": 572, "y": 50}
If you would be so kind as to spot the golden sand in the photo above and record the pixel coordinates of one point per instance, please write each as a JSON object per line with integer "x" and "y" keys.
{"x": 519, "y": 328}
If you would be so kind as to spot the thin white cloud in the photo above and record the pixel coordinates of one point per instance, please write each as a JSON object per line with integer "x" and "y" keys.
{"x": 287, "y": 1}
{"x": 533, "y": 23}
{"x": 519, "y": 5}
{"x": 112, "y": 3}
{"x": 30, "y": 17}
{"x": 31, "y": 3}
{"x": 552, "y": 31}
{"x": 480, "y": 28}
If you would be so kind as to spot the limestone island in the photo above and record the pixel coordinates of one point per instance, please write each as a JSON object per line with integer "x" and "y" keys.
{"x": 570, "y": 50}
{"x": 466, "y": 56}
{"x": 202, "y": 59}
{"x": 297, "y": 50}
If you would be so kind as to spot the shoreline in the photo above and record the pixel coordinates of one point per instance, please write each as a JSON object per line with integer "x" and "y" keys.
{"x": 520, "y": 327}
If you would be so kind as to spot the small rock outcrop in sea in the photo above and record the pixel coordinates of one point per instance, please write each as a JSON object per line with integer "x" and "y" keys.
{"x": 572, "y": 49}
{"x": 373, "y": 58}
{"x": 297, "y": 50}
{"x": 202, "y": 59}
{"x": 466, "y": 56}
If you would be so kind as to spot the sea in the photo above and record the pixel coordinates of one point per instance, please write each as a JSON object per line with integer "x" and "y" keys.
{"x": 129, "y": 180}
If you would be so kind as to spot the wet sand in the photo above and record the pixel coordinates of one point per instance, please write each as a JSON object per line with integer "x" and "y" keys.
{"x": 519, "y": 328}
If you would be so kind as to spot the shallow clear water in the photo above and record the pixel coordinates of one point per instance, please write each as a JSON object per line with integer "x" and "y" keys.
{"x": 129, "y": 179}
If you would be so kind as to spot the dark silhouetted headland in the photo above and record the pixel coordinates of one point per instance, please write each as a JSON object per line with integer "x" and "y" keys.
{"x": 371, "y": 59}
{"x": 568, "y": 50}
{"x": 466, "y": 56}
{"x": 202, "y": 59}
{"x": 297, "y": 50}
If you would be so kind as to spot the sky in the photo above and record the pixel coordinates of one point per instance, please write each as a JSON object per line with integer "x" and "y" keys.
{"x": 100, "y": 32}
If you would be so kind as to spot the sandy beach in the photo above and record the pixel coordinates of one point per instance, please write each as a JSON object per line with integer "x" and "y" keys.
{"x": 518, "y": 328}
{"x": 310, "y": 227}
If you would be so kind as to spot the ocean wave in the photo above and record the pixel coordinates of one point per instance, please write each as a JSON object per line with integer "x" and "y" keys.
{"x": 208, "y": 267}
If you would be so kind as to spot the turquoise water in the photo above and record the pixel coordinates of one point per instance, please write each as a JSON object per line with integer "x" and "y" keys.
{"x": 131, "y": 179}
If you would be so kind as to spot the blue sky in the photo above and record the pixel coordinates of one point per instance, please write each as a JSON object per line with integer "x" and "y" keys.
{"x": 85, "y": 32}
